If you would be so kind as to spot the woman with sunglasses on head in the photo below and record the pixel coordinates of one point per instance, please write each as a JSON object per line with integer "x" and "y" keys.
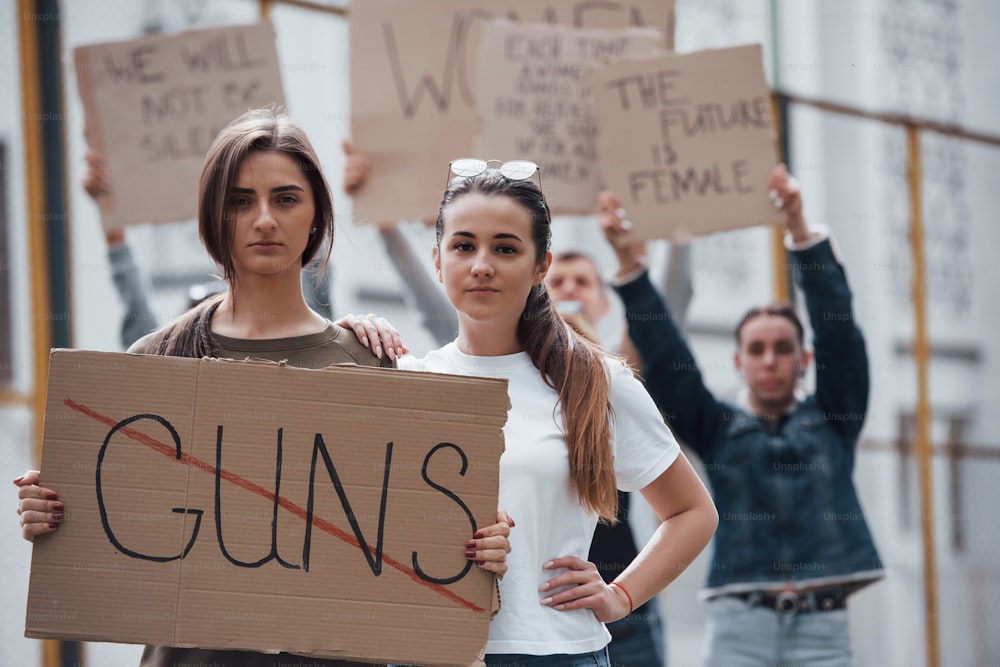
{"x": 580, "y": 426}
{"x": 264, "y": 211}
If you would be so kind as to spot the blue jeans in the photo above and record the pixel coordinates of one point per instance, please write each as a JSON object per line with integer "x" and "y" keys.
{"x": 741, "y": 635}
{"x": 595, "y": 659}
{"x": 637, "y": 639}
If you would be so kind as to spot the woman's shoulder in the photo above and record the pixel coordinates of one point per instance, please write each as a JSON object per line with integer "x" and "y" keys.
{"x": 349, "y": 343}
{"x": 617, "y": 369}
{"x": 141, "y": 346}
{"x": 623, "y": 383}
{"x": 440, "y": 360}
{"x": 332, "y": 345}
{"x": 412, "y": 363}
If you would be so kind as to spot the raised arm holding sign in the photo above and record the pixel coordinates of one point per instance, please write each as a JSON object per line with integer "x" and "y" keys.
{"x": 687, "y": 142}
{"x": 793, "y": 543}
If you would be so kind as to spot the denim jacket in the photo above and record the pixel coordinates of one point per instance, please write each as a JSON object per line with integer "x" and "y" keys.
{"x": 788, "y": 509}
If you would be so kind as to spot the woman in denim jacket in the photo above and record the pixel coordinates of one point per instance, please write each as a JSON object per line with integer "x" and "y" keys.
{"x": 792, "y": 542}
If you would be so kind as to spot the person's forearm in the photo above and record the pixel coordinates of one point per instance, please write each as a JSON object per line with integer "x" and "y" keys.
{"x": 138, "y": 319}
{"x": 841, "y": 360}
{"x": 629, "y": 261}
{"x": 669, "y": 370}
{"x": 798, "y": 229}
{"x": 675, "y": 544}
{"x": 439, "y": 316}
{"x": 824, "y": 284}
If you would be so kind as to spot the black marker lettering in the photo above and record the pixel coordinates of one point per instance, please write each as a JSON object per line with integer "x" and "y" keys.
{"x": 472, "y": 520}
{"x": 374, "y": 562}
{"x": 273, "y": 554}
{"x": 179, "y": 510}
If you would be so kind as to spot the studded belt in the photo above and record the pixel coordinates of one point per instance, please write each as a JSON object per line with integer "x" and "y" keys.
{"x": 788, "y": 602}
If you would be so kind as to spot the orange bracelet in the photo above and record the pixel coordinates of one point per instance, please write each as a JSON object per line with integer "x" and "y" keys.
{"x": 631, "y": 605}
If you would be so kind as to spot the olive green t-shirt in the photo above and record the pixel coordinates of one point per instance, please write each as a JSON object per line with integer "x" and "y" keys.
{"x": 333, "y": 345}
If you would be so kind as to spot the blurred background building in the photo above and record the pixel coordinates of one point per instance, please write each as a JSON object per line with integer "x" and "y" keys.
{"x": 901, "y": 62}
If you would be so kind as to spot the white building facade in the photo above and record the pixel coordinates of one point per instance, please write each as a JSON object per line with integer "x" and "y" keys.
{"x": 928, "y": 59}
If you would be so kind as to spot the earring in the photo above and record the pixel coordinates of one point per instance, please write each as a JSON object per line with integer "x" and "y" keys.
{"x": 313, "y": 230}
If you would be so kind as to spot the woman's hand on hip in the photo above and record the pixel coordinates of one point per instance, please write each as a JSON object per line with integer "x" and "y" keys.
{"x": 582, "y": 588}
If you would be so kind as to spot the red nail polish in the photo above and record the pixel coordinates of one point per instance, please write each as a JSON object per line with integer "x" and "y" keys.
{"x": 511, "y": 520}
{"x": 53, "y": 525}
{"x": 471, "y": 544}
{"x": 57, "y": 517}
{"x": 58, "y": 507}
{"x": 478, "y": 534}
{"x": 470, "y": 553}
{"x": 52, "y": 495}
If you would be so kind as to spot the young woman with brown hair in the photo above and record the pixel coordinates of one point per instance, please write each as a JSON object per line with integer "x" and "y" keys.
{"x": 264, "y": 211}
{"x": 580, "y": 427}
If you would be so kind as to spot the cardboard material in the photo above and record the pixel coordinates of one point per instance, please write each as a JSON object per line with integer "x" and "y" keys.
{"x": 413, "y": 89}
{"x": 686, "y": 141}
{"x": 252, "y": 505}
{"x": 153, "y": 106}
{"x": 533, "y": 101}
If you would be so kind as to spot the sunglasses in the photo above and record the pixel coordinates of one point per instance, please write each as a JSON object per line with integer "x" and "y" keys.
{"x": 515, "y": 170}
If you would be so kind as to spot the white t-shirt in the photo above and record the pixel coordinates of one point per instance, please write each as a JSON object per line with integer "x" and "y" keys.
{"x": 536, "y": 490}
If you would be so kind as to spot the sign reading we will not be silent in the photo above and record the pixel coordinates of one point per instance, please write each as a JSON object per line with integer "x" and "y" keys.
{"x": 153, "y": 106}
{"x": 534, "y": 103}
{"x": 686, "y": 142}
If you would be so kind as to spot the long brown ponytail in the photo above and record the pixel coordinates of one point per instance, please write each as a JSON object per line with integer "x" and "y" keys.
{"x": 573, "y": 366}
